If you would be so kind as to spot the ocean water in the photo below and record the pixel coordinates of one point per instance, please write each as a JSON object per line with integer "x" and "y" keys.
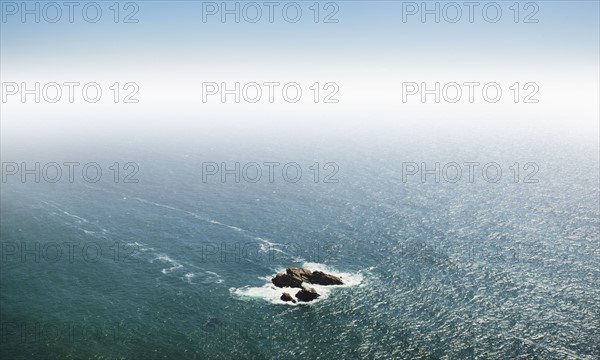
{"x": 175, "y": 268}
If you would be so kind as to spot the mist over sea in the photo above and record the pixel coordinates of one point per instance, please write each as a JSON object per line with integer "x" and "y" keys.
{"x": 177, "y": 267}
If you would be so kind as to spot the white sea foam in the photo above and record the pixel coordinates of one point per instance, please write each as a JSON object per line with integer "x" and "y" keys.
{"x": 156, "y": 204}
{"x": 207, "y": 277}
{"x": 189, "y": 213}
{"x": 79, "y": 218}
{"x": 75, "y": 217}
{"x": 267, "y": 245}
{"x": 229, "y": 226}
{"x": 214, "y": 277}
{"x": 272, "y": 294}
{"x": 174, "y": 264}
{"x": 85, "y": 231}
{"x": 350, "y": 279}
{"x": 188, "y": 277}
{"x": 140, "y": 246}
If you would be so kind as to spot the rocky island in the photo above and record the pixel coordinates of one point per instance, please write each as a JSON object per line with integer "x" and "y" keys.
{"x": 295, "y": 277}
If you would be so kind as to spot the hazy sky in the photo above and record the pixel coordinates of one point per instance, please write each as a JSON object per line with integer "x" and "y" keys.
{"x": 361, "y": 53}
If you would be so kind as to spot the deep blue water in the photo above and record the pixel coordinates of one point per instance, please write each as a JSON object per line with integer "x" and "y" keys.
{"x": 439, "y": 270}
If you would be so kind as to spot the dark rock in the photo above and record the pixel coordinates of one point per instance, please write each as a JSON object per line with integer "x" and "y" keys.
{"x": 298, "y": 272}
{"x": 287, "y": 297}
{"x": 295, "y": 276}
{"x": 285, "y": 280}
{"x": 307, "y": 294}
{"x": 320, "y": 278}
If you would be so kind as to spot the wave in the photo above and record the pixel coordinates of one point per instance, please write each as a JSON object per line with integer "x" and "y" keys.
{"x": 79, "y": 223}
{"x": 166, "y": 259}
{"x": 141, "y": 249}
{"x": 79, "y": 218}
{"x": 267, "y": 245}
{"x": 208, "y": 277}
{"x": 244, "y": 232}
{"x": 188, "y": 277}
{"x": 140, "y": 246}
{"x": 228, "y": 226}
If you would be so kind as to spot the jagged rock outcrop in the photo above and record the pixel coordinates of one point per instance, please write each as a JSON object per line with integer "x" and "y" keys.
{"x": 295, "y": 276}
{"x": 287, "y": 297}
{"x": 320, "y": 278}
{"x": 307, "y": 294}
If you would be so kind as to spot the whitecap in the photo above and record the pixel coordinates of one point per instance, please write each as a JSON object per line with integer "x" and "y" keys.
{"x": 188, "y": 277}
{"x": 175, "y": 265}
{"x": 229, "y": 226}
{"x": 214, "y": 277}
{"x": 206, "y": 277}
{"x": 267, "y": 246}
{"x": 140, "y": 246}
{"x": 79, "y": 218}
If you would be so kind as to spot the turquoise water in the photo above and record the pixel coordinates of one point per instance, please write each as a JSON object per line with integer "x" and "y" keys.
{"x": 463, "y": 270}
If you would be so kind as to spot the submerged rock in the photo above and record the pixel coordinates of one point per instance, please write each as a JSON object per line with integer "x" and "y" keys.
{"x": 212, "y": 322}
{"x": 287, "y": 297}
{"x": 295, "y": 276}
{"x": 307, "y": 294}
